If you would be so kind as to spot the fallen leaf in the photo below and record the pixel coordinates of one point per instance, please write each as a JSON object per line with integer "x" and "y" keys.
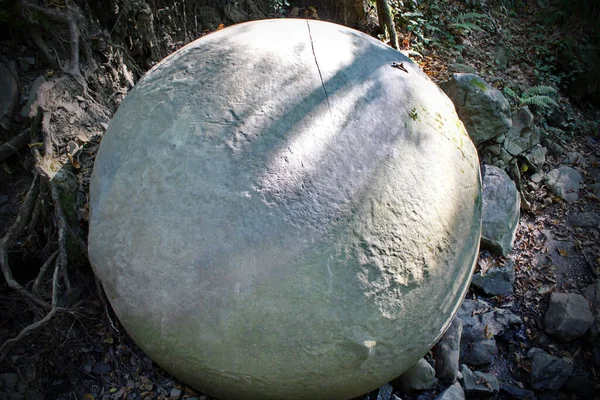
{"x": 562, "y": 252}
{"x": 221, "y": 26}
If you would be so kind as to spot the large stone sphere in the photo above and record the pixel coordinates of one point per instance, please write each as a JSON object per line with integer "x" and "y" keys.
{"x": 281, "y": 210}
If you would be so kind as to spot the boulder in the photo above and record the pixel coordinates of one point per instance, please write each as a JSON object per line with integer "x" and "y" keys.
{"x": 547, "y": 371}
{"x": 268, "y": 215}
{"x": 520, "y": 136}
{"x": 564, "y": 182}
{"x": 537, "y": 156}
{"x": 482, "y": 108}
{"x": 9, "y": 96}
{"x": 568, "y": 316}
{"x": 501, "y": 210}
{"x": 454, "y": 392}
{"x": 447, "y": 352}
{"x": 420, "y": 376}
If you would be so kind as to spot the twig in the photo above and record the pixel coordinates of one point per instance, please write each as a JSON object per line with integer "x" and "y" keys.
{"x": 12, "y": 146}
{"x": 13, "y": 232}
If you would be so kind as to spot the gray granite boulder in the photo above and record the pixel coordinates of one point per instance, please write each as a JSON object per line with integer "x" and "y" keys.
{"x": 568, "y": 316}
{"x": 420, "y": 376}
{"x": 520, "y": 136}
{"x": 9, "y": 95}
{"x": 269, "y": 218}
{"x": 482, "y": 108}
{"x": 565, "y": 182}
{"x": 501, "y": 210}
{"x": 548, "y": 371}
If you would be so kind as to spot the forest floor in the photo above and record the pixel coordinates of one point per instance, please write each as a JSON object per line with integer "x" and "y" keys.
{"x": 82, "y": 352}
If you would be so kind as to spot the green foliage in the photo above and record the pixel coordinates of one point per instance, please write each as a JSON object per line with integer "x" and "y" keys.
{"x": 510, "y": 94}
{"x": 542, "y": 98}
{"x": 547, "y": 91}
{"x": 468, "y": 22}
{"x": 542, "y": 102}
{"x": 278, "y": 6}
{"x": 576, "y": 14}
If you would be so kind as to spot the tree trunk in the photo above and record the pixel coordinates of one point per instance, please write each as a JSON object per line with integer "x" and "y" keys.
{"x": 386, "y": 21}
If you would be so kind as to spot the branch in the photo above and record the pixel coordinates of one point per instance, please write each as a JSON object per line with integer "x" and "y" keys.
{"x": 12, "y": 146}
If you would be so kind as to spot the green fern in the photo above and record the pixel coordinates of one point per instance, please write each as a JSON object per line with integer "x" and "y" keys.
{"x": 541, "y": 101}
{"x": 551, "y": 130}
{"x": 466, "y": 26}
{"x": 541, "y": 91}
{"x": 508, "y": 92}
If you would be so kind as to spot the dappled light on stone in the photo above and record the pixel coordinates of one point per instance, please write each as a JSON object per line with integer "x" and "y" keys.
{"x": 279, "y": 213}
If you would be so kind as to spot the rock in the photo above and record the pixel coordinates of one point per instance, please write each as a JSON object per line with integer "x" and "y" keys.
{"x": 537, "y": 156}
{"x": 478, "y": 383}
{"x": 521, "y": 119}
{"x": 554, "y": 148}
{"x": 575, "y": 158}
{"x": 537, "y": 178}
{"x": 564, "y": 182}
{"x": 580, "y": 385}
{"x": 596, "y": 354}
{"x": 462, "y": 68}
{"x": 481, "y": 323}
{"x": 264, "y": 254}
{"x": 454, "y": 392}
{"x": 25, "y": 63}
{"x": 585, "y": 219}
{"x": 26, "y": 111}
{"x": 547, "y": 371}
{"x": 516, "y": 392}
{"x": 592, "y": 295}
{"x": 385, "y": 392}
{"x": 9, "y": 96}
{"x": 520, "y": 137}
{"x": 497, "y": 281}
{"x": 501, "y": 205}
{"x": 175, "y": 393}
{"x": 483, "y": 109}
{"x": 479, "y": 352}
{"x": 568, "y": 316}
{"x": 447, "y": 352}
{"x": 420, "y": 376}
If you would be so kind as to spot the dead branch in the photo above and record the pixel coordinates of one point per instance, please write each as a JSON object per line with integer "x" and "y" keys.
{"x": 13, "y": 232}
{"x": 12, "y": 146}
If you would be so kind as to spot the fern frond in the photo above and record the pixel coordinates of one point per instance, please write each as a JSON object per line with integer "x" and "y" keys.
{"x": 540, "y": 101}
{"x": 510, "y": 93}
{"x": 541, "y": 90}
{"x": 551, "y": 130}
{"x": 466, "y": 26}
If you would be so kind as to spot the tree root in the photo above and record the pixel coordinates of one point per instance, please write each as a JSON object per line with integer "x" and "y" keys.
{"x": 12, "y": 146}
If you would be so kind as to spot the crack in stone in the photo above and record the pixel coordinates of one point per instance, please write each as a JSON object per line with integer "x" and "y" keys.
{"x": 320, "y": 75}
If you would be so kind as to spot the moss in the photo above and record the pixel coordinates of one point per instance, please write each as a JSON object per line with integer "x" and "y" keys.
{"x": 480, "y": 84}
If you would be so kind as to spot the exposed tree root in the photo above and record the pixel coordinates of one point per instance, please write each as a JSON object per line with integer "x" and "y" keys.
{"x": 12, "y": 146}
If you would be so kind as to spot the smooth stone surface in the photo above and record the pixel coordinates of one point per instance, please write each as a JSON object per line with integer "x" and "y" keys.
{"x": 568, "y": 316}
{"x": 501, "y": 210}
{"x": 277, "y": 212}
{"x": 483, "y": 109}
{"x": 564, "y": 182}
{"x": 447, "y": 352}
{"x": 420, "y": 376}
{"x": 547, "y": 371}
